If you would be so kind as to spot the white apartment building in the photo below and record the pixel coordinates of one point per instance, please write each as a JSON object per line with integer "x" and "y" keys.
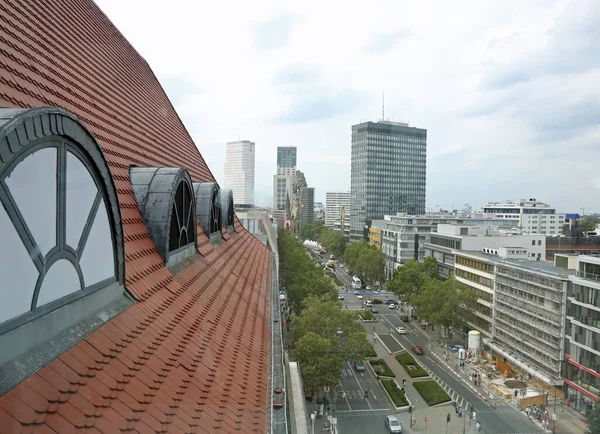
{"x": 534, "y": 217}
{"x": 401, "y": 237}
{"x": 239, "y": 171}
{"x": 335, "y": 202}
{"x": 282, "y": 189}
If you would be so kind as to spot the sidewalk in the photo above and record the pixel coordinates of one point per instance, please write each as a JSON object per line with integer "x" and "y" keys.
{"x": 568, "y": 420}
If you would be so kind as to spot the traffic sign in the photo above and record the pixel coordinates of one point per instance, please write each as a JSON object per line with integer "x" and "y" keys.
{"x": 425, "y": 420}
{"x": 326, "y": 389}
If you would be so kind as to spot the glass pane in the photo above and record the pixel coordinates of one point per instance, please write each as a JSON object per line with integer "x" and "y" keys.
{"x": 60, "y": 280}
{"x": 33, "y": 185}
{"x": 19, "y": 275}
{"x": 81, "y": 192}
{"x": 98, "y": 260}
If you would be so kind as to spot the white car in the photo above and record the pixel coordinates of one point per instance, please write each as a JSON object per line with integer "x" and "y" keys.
{"x": 393, "y": 425}
{"x": 401, "y": 330}
{"x": 360, "y": 297}
{"x": 392, "y": 306}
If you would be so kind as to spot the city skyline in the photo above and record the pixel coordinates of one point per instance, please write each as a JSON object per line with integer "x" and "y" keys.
{"x": 502, "y": 90}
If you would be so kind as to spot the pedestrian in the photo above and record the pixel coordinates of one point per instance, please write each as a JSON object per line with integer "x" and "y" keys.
{"x": 456, "y": 409}
{"x": 404, "y": 382}
{"x": 478, "y": 427}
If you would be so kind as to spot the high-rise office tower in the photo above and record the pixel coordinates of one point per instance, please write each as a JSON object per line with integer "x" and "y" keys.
{"x": 307, "y": 204}
{"x": 239, "y": 172}
{"x": 388, "y": 173}
{"x": 285, "y": 177}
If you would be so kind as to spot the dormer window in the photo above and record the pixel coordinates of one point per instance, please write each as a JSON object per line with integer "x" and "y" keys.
{"x": 166, "y": 204}
{"x": 61, "y": 240}
{"x": 183, "y": 221}
{"x": 208, "y": 209}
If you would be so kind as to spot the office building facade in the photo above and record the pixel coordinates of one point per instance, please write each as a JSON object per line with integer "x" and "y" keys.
{"x": 335, "y": 202}
{"x": 534, "y": 217}
{"x": 239, "y": 171}
{"x": 388, "y": 173}
{"x": 286, "y": 160}
{"x": 284, "y": 178}
{"x": 582, "y": 367}
{"x": 307, "y": 203}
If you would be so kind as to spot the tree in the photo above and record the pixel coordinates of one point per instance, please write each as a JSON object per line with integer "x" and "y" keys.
{"x": 366, "y": 260}
{"x": 446, "y": 303}
{"x": 299, "y": 273}
{"x": 589, "y": 223}
{"x": 320, "y": 365}
{"x": 341, "y": 327}
{"x": 333, "y": 241}
{"x": 410, "y": 277}
{"x": 593, "y": 418}
{"x": 311, "y": 232}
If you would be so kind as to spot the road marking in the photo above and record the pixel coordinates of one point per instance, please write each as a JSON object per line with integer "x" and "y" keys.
{"x": 361, "y": 389}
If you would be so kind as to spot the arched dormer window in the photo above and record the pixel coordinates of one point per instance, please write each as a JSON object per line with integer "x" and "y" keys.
{"x": 60, "y": 225}
{"x": 167, "y": 206}
{"x": 227, "y": 208}
{"x": 183, "y": 220}
{"x": 208, "y": 208}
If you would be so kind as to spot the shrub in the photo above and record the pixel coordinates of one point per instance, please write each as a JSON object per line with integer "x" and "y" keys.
{"x": 338, "y": 282}
{"x": 381, "y": 368}
{"x": 410, "y": 365}
{"x": 398, "y": 397}
{"x": 366, "y": 315}
{"x": 431, "y": 392}
{"x": 371, "y": 352}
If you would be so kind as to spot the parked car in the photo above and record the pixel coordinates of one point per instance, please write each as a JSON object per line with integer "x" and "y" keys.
{"x": 359, "y": 367}
{"x": 374, "y": 310}
{"x": 360, "y": 297}
{"x": 390, "y": 301}
{"x": 369, "y": 287}
{"x": 340, "y": 297}
{"x": 377, "y": 301}
{"x": 418, "y": 350}
{"x": 393, "y": 425}
{"x": 392, "y": 306}
{"x": 401, "y": 330}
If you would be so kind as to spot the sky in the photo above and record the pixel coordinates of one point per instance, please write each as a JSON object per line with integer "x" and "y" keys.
{"x": 507, "y": 90}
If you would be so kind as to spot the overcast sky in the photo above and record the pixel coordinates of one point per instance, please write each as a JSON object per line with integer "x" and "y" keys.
{"x": 509, "y": 91}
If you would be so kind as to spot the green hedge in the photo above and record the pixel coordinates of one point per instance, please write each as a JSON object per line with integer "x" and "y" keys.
{"x": 338, "y": 282}
{"x": 381, "y": 368}
{"x": 398, "y": 398}
{"x": 372, "y": 352}
{"x": 431, "y": 392}
{"x": 407, "y": 361}
{"x": 366, "y": 315}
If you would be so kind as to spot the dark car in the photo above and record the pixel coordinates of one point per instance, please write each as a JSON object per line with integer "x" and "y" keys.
{"x": 374, "y": 310}
{"x": 390, "y": 301}
{"x": 377, "y": 301}
{"x": 418, "y": 350}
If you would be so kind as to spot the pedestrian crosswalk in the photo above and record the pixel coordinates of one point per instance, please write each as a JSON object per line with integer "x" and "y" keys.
{"x": 459, "y": 400}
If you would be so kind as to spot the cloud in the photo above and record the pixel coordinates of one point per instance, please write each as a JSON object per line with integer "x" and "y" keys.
{"x": 297, "y": 75}
{"x": 274, "y": 33}
{"x": 508, "y": 95}
{"x": 572, "y": 47}
{"x": 321, "y": 107}
{"x": 386, "y": 41}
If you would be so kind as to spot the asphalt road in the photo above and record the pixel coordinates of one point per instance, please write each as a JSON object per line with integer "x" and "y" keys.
{"x": 504, "y": 419}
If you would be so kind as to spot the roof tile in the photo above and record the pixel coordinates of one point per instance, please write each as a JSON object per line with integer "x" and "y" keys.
{"x": 194, "y": 344}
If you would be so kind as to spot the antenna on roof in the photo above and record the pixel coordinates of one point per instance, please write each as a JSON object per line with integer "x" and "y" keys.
{"x": 383, "y": 105}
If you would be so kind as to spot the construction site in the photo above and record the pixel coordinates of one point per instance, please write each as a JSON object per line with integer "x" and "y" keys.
{"x": 529, "y": 315}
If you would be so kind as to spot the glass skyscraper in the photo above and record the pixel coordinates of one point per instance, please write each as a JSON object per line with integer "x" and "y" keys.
{"x": 388, "y": 173}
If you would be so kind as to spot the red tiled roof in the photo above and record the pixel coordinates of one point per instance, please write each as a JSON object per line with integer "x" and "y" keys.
{"x": 192, "y": 354}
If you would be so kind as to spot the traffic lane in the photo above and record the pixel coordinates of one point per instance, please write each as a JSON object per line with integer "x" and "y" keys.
{"x": 494, "y": 421}
{"x": 356, "y": 385}
{"x": 372, "y": 423}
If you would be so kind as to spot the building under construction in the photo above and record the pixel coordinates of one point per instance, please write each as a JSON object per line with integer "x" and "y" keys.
{"x": 529, "y": 317}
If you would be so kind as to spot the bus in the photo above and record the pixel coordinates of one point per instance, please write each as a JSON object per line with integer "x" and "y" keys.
{"x": 356, "y": 283}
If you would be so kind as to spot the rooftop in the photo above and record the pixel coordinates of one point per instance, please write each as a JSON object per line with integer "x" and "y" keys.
{"x": 545, "y": 267}
{"x": 187, "y": 349}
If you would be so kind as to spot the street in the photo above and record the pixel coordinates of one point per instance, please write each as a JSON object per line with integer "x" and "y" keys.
{"x": 358, "y": 415}
{"x": 504, "y": 419}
